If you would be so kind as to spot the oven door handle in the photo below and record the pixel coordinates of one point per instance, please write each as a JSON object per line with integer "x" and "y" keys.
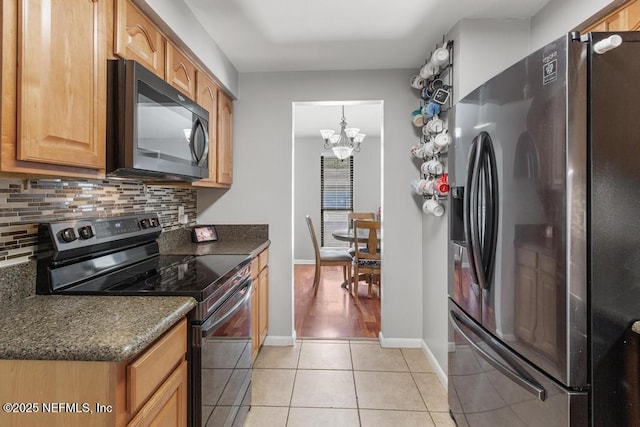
{"x": 228, "y": 308}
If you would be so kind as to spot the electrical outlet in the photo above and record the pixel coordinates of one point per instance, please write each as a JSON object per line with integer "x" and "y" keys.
{"x": 180, "y": 211}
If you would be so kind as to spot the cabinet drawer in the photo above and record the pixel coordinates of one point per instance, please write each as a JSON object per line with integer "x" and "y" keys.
{"x": 263, "y": 259}
{"x": 146, "y": 373}
{"x": 526, "y": 257}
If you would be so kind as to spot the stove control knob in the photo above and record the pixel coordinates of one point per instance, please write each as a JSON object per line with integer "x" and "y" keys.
{"x": 154, "y": 222}
{"x": 85, "y": 232}
{"x": 68, "y": 235}
{"x": 144, "y": 223}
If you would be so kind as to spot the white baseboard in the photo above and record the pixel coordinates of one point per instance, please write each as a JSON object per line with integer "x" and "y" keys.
{"x": 304, "y": 261}
{"x": 399, "y": 342}
{"x": 442, "y": 376}
{"x": 280, "y": 341}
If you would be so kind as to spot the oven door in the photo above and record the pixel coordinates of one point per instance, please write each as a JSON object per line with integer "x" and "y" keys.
{"x": 222, "y": 363}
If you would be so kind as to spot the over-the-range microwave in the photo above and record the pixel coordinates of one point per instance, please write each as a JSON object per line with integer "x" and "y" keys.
{"x": 154, "y": 132}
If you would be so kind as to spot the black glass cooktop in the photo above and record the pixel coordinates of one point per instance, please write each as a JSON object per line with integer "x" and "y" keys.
{"x": 199, "y": 277}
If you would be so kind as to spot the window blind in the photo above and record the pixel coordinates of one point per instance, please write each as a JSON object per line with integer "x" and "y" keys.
{"x": 336, "y": 197}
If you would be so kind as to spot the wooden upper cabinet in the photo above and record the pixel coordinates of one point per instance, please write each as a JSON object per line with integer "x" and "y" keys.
{"x": 207, "y": 97}
{"x": 61, "y": 83}
{"x": 137, "y": 38}
{"x": 626, "y": 18}
{"x": 180, "y": 72}
{"x": 225, "y": 138}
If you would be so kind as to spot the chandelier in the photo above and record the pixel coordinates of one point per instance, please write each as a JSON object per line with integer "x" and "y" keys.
{"x": 344, "y": 143}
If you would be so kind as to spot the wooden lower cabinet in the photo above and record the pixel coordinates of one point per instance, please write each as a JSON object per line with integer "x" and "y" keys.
{"x": 259, "y": 301}
{"x": 149, "y": 390}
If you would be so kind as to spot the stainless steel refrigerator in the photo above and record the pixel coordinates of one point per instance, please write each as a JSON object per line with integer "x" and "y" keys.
{"x": 544, "y": 261}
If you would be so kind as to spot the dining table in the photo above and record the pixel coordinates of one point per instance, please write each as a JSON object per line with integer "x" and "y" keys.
{"x": 346, "y": 235}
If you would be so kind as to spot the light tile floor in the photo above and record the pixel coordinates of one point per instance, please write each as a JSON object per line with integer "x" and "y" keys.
{"x": 344, "y": 383}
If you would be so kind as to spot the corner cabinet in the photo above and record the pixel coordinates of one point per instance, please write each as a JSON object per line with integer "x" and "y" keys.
{"x": 54, "y": 87}
{"x": 225, "y": 139}
{"x": 150, "y": 389}
{"x": 259, "y": 301}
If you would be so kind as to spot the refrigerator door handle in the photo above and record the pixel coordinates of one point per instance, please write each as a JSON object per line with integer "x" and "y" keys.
{"x": 515, "y": 374}
{"x": 491, "y": 209}
{"x": 470, "y": 214}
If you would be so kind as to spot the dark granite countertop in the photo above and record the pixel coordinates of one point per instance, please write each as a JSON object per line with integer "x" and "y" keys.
{"x": 97, "y": 328}
{"x": 221, "y": 247}
{"x": 232, "y": 240}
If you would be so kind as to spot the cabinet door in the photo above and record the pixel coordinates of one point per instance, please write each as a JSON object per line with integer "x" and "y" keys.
{"x": 263, "y": 304}
{"x": 255, "y": 336}
{"x": 627, "y": 19}
{"x": 168, "y": 406}
{"x": 137, "y": 38}
{"x": 180, "y": 72}
{"x": 207, "y": 97}
{"x": 61, "y": 80}
{"x": 225, "y": 138}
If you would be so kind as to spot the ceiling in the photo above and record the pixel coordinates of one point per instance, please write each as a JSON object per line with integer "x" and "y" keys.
{"x": 310, "y": 117}
{"x": 297, "y": 35}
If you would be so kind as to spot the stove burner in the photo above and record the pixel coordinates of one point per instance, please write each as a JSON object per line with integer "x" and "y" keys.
{"x": 176, "y": 276}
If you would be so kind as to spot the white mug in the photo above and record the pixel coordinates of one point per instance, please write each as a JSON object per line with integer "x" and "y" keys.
{"x": 418, "y": 120}
{"x": 417, "y": 81}
{"x": 432, "y": 206}
{"x": 418, "y": 151}
{"x": 428, "y": 70}
{"x": 440, "y": 57}
{"x": 430, "y": 149}
{"x": 432, "y": 167}
{"x": 433, "y": 126}
{"x": 423, "y": 186}
{"x": 442, "y": 140}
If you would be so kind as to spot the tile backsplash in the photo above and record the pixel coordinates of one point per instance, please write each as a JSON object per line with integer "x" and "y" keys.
{"x": 25, "y": 203}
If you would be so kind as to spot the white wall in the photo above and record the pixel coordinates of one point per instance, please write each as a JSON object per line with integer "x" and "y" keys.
{"x": 483, "y": 48}
{"x": 262, "y": 194}
{"x": 181, "y": 20}
{"x": 366, "y": 187}
{"x": 559, "y": 17}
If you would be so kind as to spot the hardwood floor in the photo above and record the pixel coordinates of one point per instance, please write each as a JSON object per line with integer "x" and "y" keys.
{"x": 332, "y": 313}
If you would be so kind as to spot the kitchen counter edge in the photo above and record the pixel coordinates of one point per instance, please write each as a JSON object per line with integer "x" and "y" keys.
{"x": 87, "y": 328}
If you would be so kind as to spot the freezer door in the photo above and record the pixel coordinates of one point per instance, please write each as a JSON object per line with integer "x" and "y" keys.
{"x": 491, "y": 386}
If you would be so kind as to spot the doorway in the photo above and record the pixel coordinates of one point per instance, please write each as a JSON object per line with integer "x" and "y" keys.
{"x": 332, "y": 312}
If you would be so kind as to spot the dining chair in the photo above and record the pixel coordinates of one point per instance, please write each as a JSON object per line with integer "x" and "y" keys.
{"x": 367, "y": 259}
{"x": 328, "y": 257}
{"x": 351, "y": 216}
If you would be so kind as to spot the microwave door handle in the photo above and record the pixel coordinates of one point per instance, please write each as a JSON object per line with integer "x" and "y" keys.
{"x": 199, "y": 158}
